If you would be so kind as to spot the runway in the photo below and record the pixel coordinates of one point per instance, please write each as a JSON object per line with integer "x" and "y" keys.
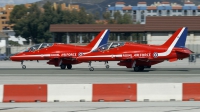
{"x": 177, "y": 72}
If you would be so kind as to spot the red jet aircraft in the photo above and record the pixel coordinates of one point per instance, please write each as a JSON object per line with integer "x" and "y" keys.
{"x": 59, "y": 54}
{"x": 140, "y": 56}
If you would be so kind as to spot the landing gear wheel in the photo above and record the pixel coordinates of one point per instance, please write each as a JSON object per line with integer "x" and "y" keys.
{"x": 23, "y": 66}
{"x": 62, "y": 66}
{"x": 91, "y": 69}
{"x": 107, "y": 66}
{"x": 136, "y": 69}
{"x": 141, "y": 68}
{"x": 149, "y": 66}
{"x": 69, "y": 66}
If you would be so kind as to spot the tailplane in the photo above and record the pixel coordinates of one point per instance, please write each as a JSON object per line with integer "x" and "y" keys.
{"x": 100, "y": 39}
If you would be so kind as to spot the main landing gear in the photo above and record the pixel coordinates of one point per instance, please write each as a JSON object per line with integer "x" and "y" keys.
{"x": 63, "y": 66}
{"x": 138, "y": 68}
{"x": 92, "y": 68}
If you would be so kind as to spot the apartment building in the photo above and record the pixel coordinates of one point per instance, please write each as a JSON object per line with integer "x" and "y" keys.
{"x": 69, "y": 7}
{"x": 4, "y": 17}
{"x": 141, "y": 11}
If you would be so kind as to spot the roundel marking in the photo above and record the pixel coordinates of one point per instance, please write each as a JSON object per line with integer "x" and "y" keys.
{"x": 155, "y": 54}
{"x": 80, "y": 54}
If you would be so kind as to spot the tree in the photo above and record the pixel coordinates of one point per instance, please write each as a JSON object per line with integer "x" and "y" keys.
{"x": 127, "y": 19}
{"x": 13, "y": 43}
{"x": 106, "y": 16}
{"x": 27, "y": 25}
{"x": 96, "y": 15}
{"x": 19, "y": 12}
{"x": 118, "y": 17}
{"x": 34, "y": 23}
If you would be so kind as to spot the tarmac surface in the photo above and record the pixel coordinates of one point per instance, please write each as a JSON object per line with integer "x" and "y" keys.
{"x": 102, "y": 107}
{"x": 41, "y": 73}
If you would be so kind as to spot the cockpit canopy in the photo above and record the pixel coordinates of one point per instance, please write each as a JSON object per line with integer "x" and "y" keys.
{"x": 39, "y": 46}
{"x": 109, "y": 46}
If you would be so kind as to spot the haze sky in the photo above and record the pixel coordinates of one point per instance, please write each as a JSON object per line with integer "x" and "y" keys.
{"x": 4, "y": 2}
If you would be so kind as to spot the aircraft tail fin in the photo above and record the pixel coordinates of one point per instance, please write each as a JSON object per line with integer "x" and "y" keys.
{"x": 100, "y": 39}
{"x": 178, "y": 39}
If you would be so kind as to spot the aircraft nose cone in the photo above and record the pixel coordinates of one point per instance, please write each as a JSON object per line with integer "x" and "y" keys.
{"x": 14, "y": 58}
{"x": 11, "y": 57}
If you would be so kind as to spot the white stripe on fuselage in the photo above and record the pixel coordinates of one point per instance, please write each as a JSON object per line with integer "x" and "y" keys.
{"x": 103, "y": 56}
{"x": 40, "y": 55}
{"x": 169, "y": 50}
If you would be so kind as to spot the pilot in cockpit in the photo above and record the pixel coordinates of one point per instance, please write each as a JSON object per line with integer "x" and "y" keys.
{"x": 118, "y": 44}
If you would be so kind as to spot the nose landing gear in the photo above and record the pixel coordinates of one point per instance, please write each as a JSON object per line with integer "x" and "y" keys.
{"x": 23, "y": 66}
{"x": 106, "y": 64}
{"x": 90, "y": 67}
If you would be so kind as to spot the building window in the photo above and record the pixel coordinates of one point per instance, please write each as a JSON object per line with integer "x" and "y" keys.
{"x": 134, "y": 12}
{"x": 159, "y": 13}
{"x": 199, "y": 10}
{"x": 129, "y": 11}
{"x": 6, "y": 28}
{"x": 142, "y": 16}
{"x": 154, "y": 10}
{"x": 185, "y": 12}
{"x": 194, "y": 12}
{"x": 7, "y": 22}
{"x": 168, "y": 13}
{"x": 4, "y": 12}
{"x": 134, "y": 18}
{"x": 174, "y": 10}
{"x": 149, "y": 11}
{"x": 179, "y": 10}
{"x": 2, "y": 22}
{"x": 3, "y": 17}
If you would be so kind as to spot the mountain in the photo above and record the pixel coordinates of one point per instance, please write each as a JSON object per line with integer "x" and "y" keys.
{"x": 16, "y": 2}
{"x": 101, "y": 5}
